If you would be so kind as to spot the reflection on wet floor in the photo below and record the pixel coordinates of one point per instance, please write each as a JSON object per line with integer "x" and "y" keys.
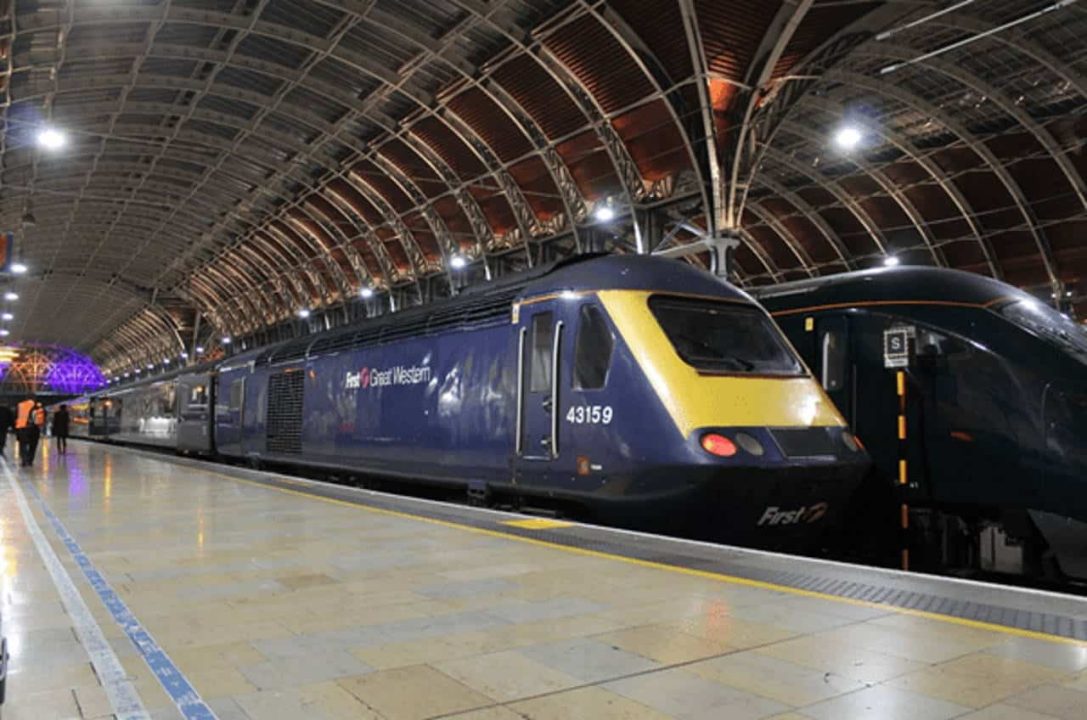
{"x": 279, "y": 606}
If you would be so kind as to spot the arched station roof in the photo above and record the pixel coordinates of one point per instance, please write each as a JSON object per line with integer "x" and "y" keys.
{"x": 232, "y": 162}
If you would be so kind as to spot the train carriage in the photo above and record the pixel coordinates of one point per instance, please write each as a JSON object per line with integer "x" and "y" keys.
{"x": 629, "y": 390}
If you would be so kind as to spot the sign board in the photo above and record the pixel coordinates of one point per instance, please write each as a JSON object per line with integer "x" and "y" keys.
{"x": 898, "y": 346}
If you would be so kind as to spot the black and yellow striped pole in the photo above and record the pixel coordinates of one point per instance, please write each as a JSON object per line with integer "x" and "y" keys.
{"x": 903, "y": 477}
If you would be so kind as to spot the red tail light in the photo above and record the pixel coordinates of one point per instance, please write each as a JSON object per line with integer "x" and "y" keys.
{"x": 718, "y": 445}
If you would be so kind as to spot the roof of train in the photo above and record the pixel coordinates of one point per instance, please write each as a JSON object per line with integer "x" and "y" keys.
{"x": 580, "y": 273}
{"x": 908, "y": 284}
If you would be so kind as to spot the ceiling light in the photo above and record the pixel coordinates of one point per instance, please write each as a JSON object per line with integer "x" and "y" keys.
{"x": 891, "y": 261}
{"x": 51, "y": 139}
{"x": 604, "y": 213}
{"x": 199, "y": 349}
{"x": 137, "y": 371}
{"x": 150, "y": 366}
{"x": 7, "y": 316}
{"x": 457, "y": 262}
{"x": 11, "y": 296}
{"x": 4, "y": 332}
{"x": 184, "y": 355}
{"x": 303, "y": 313}
{"x": 18, "y": 268}
{"x": 848, "y": 137}
{"x": 226, "y": 340}
{"x": 166, "y": 361}
{"x": 366, "y": 293}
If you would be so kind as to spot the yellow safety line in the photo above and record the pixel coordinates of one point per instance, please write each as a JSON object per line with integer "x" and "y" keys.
{"x": 705, "y": 574}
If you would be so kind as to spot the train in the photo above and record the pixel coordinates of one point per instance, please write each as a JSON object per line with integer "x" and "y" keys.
{"x": 970, "y": 395}
{"x": 627, "y": 390}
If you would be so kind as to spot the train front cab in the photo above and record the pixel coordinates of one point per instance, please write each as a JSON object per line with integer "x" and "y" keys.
{"x": 974, "y": 452}
{"x": 615, "y": 400}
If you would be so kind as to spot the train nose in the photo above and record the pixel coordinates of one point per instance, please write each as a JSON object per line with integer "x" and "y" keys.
{"x": 1065, "y": 413}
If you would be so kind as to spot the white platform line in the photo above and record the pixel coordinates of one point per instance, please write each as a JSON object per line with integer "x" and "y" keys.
{"x": 122, "y": 694}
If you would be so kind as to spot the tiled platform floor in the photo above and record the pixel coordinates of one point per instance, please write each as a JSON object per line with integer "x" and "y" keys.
{"x": 279, "y": 606}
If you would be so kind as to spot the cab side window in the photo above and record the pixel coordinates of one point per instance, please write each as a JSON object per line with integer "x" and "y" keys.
{"x": 592, "y": 349}
{"x": 237, "y": 393}
{"x": 540, "y": 352}
{"x": 834, "y": 360}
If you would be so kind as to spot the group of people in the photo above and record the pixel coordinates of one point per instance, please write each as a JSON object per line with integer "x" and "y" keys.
{"x": 28, "y": 422}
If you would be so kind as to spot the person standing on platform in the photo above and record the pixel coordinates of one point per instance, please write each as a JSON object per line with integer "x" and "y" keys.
{"x": 61, "y": 419}
{"x": 26, "y": 431}
{"x": 39, "y": 430}
{"x": 7, "y": 421}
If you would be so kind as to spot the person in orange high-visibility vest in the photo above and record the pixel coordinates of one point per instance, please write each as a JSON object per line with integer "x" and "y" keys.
{"x": 27, "y": 430}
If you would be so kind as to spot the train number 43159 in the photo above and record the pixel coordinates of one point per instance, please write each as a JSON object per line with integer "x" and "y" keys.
{"x": 590, "y": 415}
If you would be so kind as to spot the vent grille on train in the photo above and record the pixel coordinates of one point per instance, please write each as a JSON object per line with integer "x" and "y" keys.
{"x": 805, "y": 442}
{"x": 284, "y": 422}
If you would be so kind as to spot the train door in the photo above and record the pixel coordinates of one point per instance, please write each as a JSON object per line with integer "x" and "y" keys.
{"x": 834, "y": 364}
{"x": 540, "y": 338}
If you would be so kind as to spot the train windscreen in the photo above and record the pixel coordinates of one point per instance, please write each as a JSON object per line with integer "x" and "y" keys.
{"x": 1050, "y": 325}
{"x": 724, "y": 337}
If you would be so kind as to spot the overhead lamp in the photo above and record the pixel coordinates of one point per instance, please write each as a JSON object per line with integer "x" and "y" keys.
{"x": 4, "y": 332}
{"x": 891, "y": 261}
{"x": 604, "y": 213}
{"x": 51, "y": 139}
{"x": 199, "y": 349}
{"x": 366, "y": 293}
{"x": 137, "y": 371}
{"x": 11, "y": 296}
{"x": 18, "y": 268}
{"x": 848, "y": 137}
{"x": 166, "y": 361}
{"x": 457, "y": 262}
{"x": 150, "y": 366}
{"x": 7, "y": 316}
{"x": 226, "y": 340}
{"x": 303, "y": 313}
{"x": 184, "y": 355}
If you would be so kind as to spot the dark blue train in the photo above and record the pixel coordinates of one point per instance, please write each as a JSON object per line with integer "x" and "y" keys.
{"x": 994, "y": 405}
{"x": 627, "y": 390}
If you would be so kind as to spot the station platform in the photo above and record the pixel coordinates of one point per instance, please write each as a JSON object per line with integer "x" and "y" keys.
{"x": 137, "y": 585}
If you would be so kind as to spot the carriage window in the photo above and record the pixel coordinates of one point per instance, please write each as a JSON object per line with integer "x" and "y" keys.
{"x": 718, "y": 336}
{"x": 592, "y": 349}
{"x": 539, "y": 355}
{"x": 833, "y": 356}
{"x": 198, "y": 395}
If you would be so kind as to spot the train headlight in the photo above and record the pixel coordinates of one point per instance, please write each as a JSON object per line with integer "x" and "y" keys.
{"x": 851, "y": 441}
{"x": 750, "y": 444}
{"x": 719, "y": 445}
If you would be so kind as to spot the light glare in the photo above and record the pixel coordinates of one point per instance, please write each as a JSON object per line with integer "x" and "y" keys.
{"x": 891, "y": 261}
{"x": 457, "y": 262}
{"x": 604, "y": 213}
{"x": 11, "y": 296}
{"x": 366, "y": 293}
{"x": 18, "y": 268}
{"x": 7, "y": 316}
{"x": 52, "y": 139}
{"x": 848, "y": 137}
{"x": 303, "y": 313}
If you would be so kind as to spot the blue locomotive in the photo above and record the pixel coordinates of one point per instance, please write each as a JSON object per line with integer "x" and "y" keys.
{"x": 993, "y": 434}
{"x": 627, "y": 390}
